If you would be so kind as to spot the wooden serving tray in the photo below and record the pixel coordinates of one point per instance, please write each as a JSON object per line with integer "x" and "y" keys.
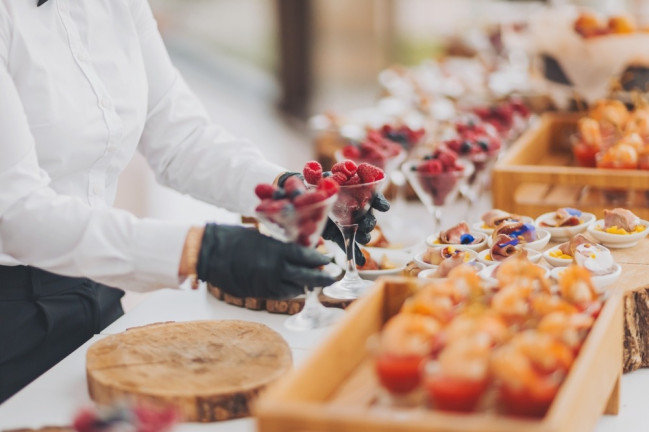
{"x": 537, "y": 174}
{"x": 335, "y": 387}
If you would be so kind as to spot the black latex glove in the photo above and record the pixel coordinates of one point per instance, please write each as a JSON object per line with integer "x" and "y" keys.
{"x": 245, "y": 263}
{"x": 365, "y": 225}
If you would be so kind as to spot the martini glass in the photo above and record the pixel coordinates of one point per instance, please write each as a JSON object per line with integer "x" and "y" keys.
{"x": 437, "y": 190}
{"x": 303, "y": 225}
{"x": 353, "y": 203}
{"x": 478, "y": 182}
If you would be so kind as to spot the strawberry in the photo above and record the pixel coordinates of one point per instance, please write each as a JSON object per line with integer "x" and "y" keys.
{"x": 264, "y": 191}
{"x": 312, "y": 172}
{"x": 369, "y": 173}
{"x": 346, "y": 167}
{"x": 329, "y": 186}
{"x": 309, "y": 198}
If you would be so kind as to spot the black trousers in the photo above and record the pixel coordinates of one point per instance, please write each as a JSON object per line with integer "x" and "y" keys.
{"x": 44, "y": 317}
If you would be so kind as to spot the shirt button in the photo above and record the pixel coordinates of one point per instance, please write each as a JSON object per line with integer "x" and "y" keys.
{"x": 105, "y": 103}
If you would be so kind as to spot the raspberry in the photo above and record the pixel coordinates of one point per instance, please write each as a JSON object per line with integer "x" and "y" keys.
{"x": 369, "y": 173}
{"x": 339, "y": 177}
{"x": 294, "y": 186}
{"x": 274, "y": 206}
{"x": 432, "y": 166}
{"x": 312, "y": 172}
{"x": 351, "y": 152}
{"x": 309, "y": 198}
{"x": 329, "y": 186}
{"x": 264, "y": 191}
{"x": 447, "y": 158}
{"x": 353, "y": 180}
{"x": 348, "y": 168}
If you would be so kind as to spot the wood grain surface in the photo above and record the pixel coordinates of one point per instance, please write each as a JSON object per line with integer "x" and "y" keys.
{"x": 209, "y": 370}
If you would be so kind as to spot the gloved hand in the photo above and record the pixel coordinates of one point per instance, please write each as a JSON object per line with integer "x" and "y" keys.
{"x": 365, "y": 226}
{"x": 245, "y": 263}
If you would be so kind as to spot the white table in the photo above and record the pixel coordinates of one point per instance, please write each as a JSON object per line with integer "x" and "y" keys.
{"x": 53, "y": 398}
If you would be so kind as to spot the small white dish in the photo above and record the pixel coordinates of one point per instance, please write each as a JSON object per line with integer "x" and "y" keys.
{"x": 554, "y": 261}
{"x": 564, "y": 233}
{"x": 428, "y": 273}
{"x": 487, "y": 273}
{"x": 398, "y": 257}
{"x": 543, "y": 238}
{"x": 478, "y": 246}
{"x": 480, "y": 226}
{"x": 616, "y": 241}
{"x": 599, "y": 282}
{"x": 532, "y": 255}
{"x": 419, "y": 258}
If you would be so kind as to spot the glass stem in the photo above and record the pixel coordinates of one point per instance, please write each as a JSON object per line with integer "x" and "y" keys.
{"x": 349, "y": 235}
{"x": 311, "y": 302}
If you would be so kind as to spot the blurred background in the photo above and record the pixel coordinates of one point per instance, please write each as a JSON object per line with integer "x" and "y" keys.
{"x": 263, "y": 67}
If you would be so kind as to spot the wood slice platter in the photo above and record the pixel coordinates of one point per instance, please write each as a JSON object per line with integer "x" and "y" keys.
{"x": 289, "y": 306}
{"x": 208, "y": 370}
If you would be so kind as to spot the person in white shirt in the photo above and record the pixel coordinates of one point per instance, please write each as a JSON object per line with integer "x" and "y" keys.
{"x": 84, "y": 85}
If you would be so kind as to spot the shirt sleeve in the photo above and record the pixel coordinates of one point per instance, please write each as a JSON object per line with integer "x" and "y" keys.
{"x": 186, "y": 150}
{"x": 64, "y": 235}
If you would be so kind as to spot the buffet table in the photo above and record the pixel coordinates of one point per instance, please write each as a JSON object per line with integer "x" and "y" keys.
{"x": 54, "y": 397}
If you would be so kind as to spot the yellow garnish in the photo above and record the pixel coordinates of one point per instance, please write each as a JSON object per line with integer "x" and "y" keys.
{"x": 621, "y": 231}
{"x": 593, "y": 256}
{"x": 451, "y": 249}
{"x": 485, "y": 226}
{"x": 488, "y": 257}
{"x": 437, "y": 241}
{"x": 558, "y": 254}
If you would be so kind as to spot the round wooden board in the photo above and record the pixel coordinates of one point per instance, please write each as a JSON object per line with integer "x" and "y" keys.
{"x": 209, "y": 370}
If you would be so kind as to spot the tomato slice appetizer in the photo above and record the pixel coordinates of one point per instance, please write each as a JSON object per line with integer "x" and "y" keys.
{"x": 585, "y": 154}
{"x": 399, "y": 374}
{"x": 529, "y": 402}
{"x": 455, "y": 394}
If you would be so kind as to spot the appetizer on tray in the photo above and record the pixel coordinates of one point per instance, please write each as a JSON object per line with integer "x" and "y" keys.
{"x": 620, "y": 228}
{"x": 504, "y": 247}
{"x": 565, "y": 222}
{"x": 522, "y": 233}
{"x": 495, "y": 217}
{"x": 434, "y": 256}
{"x": 598, "y": 261}
{"x": 460, "y": 345}
{"x": 381, "y": 262}
{"x": 459, "y": 235}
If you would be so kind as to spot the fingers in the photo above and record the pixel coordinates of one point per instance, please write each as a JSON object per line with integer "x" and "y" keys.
{"x": 366, "y": 225}
{"x": 380, "y": 203}
{"x": 286, "y": 289}
{"x": 303, "y": 256}
{"x": 303, "y": 276}
{"x": 358, "y": 255}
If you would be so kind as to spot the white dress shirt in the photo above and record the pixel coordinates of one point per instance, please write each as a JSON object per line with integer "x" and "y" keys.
{"x": 83, "y": 85}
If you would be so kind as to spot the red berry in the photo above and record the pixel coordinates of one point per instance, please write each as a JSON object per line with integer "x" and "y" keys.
{"x": 309, "y": 198}
{"x": 264, "y": 191}
{"x": 293, "y": 184}
{"x": 339, "y": 178}
{"x": 348, "y": 168}
{"x": 447, "y": 158}
{"x": 274, "y": 206}
{"x": 353, "y": 180}
{"x": 329, "y": 186}
{"x": 351, "y": 152}
{"x": 369, "y": 173}
{"x": 432, "y": 166}
{"x": 312, "y": 172}
{"x": 85, "y": 420}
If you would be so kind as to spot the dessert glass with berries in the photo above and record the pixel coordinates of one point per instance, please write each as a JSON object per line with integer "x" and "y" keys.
{"x": 358, "y": 186}
{"x": 437, "y": 179}
{"x": 297, "y": 214}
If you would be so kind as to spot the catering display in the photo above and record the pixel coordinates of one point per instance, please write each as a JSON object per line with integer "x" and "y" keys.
{"x": 466, "y": 344}
{"x": 207, "y": 370}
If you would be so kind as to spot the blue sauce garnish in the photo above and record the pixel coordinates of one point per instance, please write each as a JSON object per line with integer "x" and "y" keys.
{"x": 466, "y": 239}
{"x": 572, "y": 211}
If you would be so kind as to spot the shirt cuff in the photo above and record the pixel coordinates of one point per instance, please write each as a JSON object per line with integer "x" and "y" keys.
{"x": 265, "y": 172}
{"x": 158, "y": 246}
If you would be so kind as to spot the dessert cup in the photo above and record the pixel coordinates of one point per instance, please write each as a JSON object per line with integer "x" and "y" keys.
{"x": 303, "y": 225}
{"x": 437, "y": 190}
{"x": 353, "y": 203}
